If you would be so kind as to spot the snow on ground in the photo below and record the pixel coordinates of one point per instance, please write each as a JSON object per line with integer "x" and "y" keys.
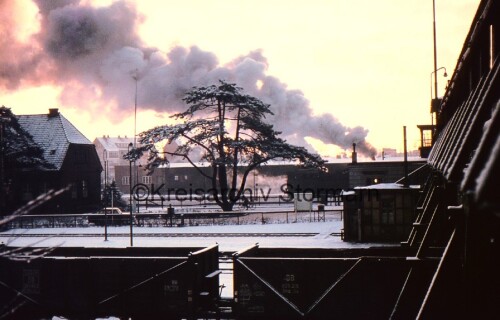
{"x": 228, "y": 237}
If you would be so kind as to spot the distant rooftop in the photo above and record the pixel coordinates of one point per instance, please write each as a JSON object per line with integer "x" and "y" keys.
{"x": 114, "y": 143}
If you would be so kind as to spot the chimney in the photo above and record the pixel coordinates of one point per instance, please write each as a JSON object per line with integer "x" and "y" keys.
{"x": 354, "y": 154}
{"x": 53, "y": 112}
{"x": 405, "y": 157}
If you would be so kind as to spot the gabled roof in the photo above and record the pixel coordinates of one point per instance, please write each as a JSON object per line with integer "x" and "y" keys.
{"x": 114, "y": 143}
{"x": 53, "y": 133}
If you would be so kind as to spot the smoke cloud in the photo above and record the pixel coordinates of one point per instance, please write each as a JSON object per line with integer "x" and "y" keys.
{"x": 96, "y": 56}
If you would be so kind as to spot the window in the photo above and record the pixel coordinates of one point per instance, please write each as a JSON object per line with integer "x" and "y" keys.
{"x": 126, "y": 180}
{"x": 113, "y": 154}
{"x": 147, "y": 179}
{"x": 122, "y": 145}
{"x": 176, "y": 178}
{"x": 427, "y": 138}
{"x": 185, "y": 177}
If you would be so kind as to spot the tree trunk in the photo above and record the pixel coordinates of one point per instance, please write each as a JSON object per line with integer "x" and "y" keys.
{"x": 227, "y": 206}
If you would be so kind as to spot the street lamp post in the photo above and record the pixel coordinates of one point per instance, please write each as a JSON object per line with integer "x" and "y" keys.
{"x": 105, "y": 158}
{"x": 135, "y": 76}
{"x": 256, "y": 195}
{"x": 130, "y": 146}
{"x": 435, "y": 101}
{"x": 435, "y": 43}
{"x": 445, "y": 74}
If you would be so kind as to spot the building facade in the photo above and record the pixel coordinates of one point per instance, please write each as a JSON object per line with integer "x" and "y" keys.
{"x": 387, "y": 171}
{"x": 74, "y": 161}
{"x": 272, "y": 179}
{"x": 111, "y": 151}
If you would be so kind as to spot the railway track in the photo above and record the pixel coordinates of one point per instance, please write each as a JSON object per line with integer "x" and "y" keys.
{"x": 160, "y": 235}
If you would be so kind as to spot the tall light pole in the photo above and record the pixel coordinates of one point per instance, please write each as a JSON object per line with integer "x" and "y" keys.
{"x": 135, "y": 76}
{"x": 435, "y": 44}
{"x": 435, "y": 101}
{"x": 131, "y": 146}
{"x": 445, "y": 74}
{"x": 405, "y": 158}
{"x": 105, "y": 158}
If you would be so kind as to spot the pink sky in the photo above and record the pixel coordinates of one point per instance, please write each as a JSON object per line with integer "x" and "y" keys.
{"x": 350, "y": 64}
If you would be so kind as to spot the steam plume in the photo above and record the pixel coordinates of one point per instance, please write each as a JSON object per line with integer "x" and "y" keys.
{"x": 95, "y": 54}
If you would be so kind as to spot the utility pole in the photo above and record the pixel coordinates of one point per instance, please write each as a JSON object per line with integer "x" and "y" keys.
{"x": 135, "y": 77}
{"x": 131, "y": 221}
{"x": 105, "y": 194}
{"x": 435, "y": 47}
{"x": 405, "y": 157}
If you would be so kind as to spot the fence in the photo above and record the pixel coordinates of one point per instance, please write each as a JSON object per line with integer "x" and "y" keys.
{"x": 179, "y": 219}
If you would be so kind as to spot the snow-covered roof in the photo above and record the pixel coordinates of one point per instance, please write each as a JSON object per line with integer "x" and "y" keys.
{"x": 53, "y": 133}
{"x": 388, "y": 186}
{"x": 114, "y": 143}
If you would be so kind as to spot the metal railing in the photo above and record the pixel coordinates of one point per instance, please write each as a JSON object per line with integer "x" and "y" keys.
{"x": 179, "y": 219}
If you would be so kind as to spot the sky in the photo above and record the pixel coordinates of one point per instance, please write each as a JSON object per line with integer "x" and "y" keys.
{"x": 334, "y": 72}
